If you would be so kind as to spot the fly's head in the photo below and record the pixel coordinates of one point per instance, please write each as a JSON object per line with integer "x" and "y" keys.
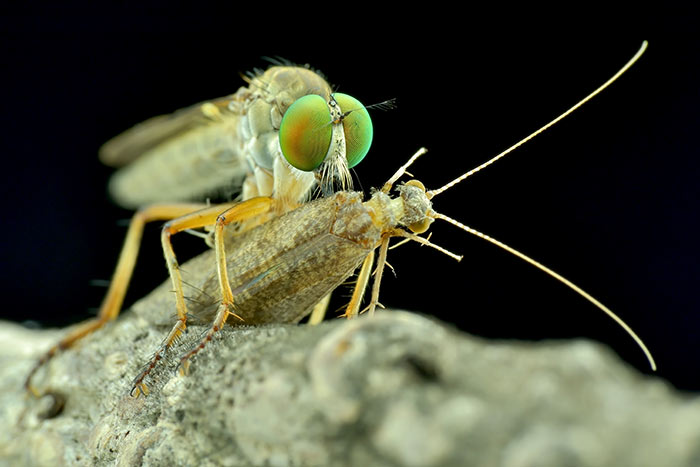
{"x": 327, "y": 136}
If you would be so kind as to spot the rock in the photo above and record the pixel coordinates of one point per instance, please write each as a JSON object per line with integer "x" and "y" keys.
{"x": 396, "y": 389}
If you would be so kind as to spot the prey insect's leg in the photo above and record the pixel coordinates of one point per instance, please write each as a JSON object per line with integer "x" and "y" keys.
{"x": 381, "y": 261}
{"x": 111, "y": 305}
{"x": 240, "y": 212}
{"x": 360, "y": 286}
{"x": 319, "y": 311}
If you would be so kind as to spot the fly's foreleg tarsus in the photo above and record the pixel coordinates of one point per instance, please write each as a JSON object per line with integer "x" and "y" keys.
{"x": 221, "y": 315}
{"x": 111, "y": 305}
{"x": 138, "y": 386}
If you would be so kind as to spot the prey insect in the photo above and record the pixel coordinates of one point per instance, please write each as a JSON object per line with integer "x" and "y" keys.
{"x": 278, "y": 139}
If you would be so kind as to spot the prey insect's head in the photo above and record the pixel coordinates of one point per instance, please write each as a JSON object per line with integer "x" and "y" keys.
{"x": 418, "y": 208}
{"x": 327, "y": 135}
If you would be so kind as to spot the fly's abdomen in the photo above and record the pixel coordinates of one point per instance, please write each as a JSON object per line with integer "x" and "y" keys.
{"x": 190, "y": 166}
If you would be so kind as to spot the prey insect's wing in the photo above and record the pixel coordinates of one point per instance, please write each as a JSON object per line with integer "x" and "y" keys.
{"x": 177, "y": 157}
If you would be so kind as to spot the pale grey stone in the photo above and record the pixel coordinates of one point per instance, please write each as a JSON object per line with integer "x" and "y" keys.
{"x": 397, "y": 389}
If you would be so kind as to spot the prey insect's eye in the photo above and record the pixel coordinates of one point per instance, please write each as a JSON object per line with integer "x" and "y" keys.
{"x": 305, "y": 132}
{"x": 357, "y": 126}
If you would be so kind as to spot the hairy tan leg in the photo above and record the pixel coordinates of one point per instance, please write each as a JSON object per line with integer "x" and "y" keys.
{"x": 240, "y": 212}
{"x": 111, "y": 304}
{"x": 319, "y": 311}
{"x": 201, "y": 218}
{"x": 360, "y": 286}
{"x": 381, "y": 261}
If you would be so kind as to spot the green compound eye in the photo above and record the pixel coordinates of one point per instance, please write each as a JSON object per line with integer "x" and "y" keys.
{"x": 357, "y": 126}
{"x": 305, "y": 132}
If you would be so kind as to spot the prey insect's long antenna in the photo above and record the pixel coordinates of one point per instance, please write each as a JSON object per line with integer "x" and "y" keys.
{"x": 558, "y": 277}
{"x": 433, "y": 193}
{"x": 424, "y": 241}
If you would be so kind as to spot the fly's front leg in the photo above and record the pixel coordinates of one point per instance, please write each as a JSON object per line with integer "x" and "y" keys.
{"x": 111, "y": 305}
{"x": 190, "y": 220}
{"x": 241, "y": 212}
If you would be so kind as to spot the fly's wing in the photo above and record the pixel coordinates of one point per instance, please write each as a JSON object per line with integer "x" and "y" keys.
{"x": 209, "y": 148}
{"x": 189, "y": 154}
{"x": 136, "y": 141}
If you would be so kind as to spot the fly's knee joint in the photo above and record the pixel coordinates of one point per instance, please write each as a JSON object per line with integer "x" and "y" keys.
{"x": 141, "y": 214}
{"x": 167, "y": 230}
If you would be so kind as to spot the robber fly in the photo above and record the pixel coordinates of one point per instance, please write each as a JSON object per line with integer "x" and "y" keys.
{"x": 280, "y": 138}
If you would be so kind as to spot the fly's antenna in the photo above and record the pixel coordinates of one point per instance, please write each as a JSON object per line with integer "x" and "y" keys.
{"x": 563, "y": 280}
{"x": 433, "y": 193}
{"x": 389, "y": 104}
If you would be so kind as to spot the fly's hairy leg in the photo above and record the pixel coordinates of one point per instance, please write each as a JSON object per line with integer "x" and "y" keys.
{"x": 111, "y": 304}
{"x": 241, "y": 212}
{"x": 192, "y": 220}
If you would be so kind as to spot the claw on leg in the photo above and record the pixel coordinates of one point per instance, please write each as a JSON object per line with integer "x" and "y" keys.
{"x": 139, "y": 389}
{"x": 183, "y": 368}
{"x": 221, "y": 315}
{"x": 138, "y": 386}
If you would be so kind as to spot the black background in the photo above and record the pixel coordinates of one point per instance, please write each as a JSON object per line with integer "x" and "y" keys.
{"x": 608, "y": 198}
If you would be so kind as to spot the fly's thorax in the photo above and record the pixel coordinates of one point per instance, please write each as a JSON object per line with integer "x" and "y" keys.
{"x": 291, "y": 186}
{"x": 262, "y": 106}
{"x": 268, "y": 97}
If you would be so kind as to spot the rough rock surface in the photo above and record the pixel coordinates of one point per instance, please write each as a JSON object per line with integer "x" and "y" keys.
{"x": 397, "y": 389}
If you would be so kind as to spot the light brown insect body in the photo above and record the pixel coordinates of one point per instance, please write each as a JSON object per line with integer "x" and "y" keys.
{"x": 283, "y": 268}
